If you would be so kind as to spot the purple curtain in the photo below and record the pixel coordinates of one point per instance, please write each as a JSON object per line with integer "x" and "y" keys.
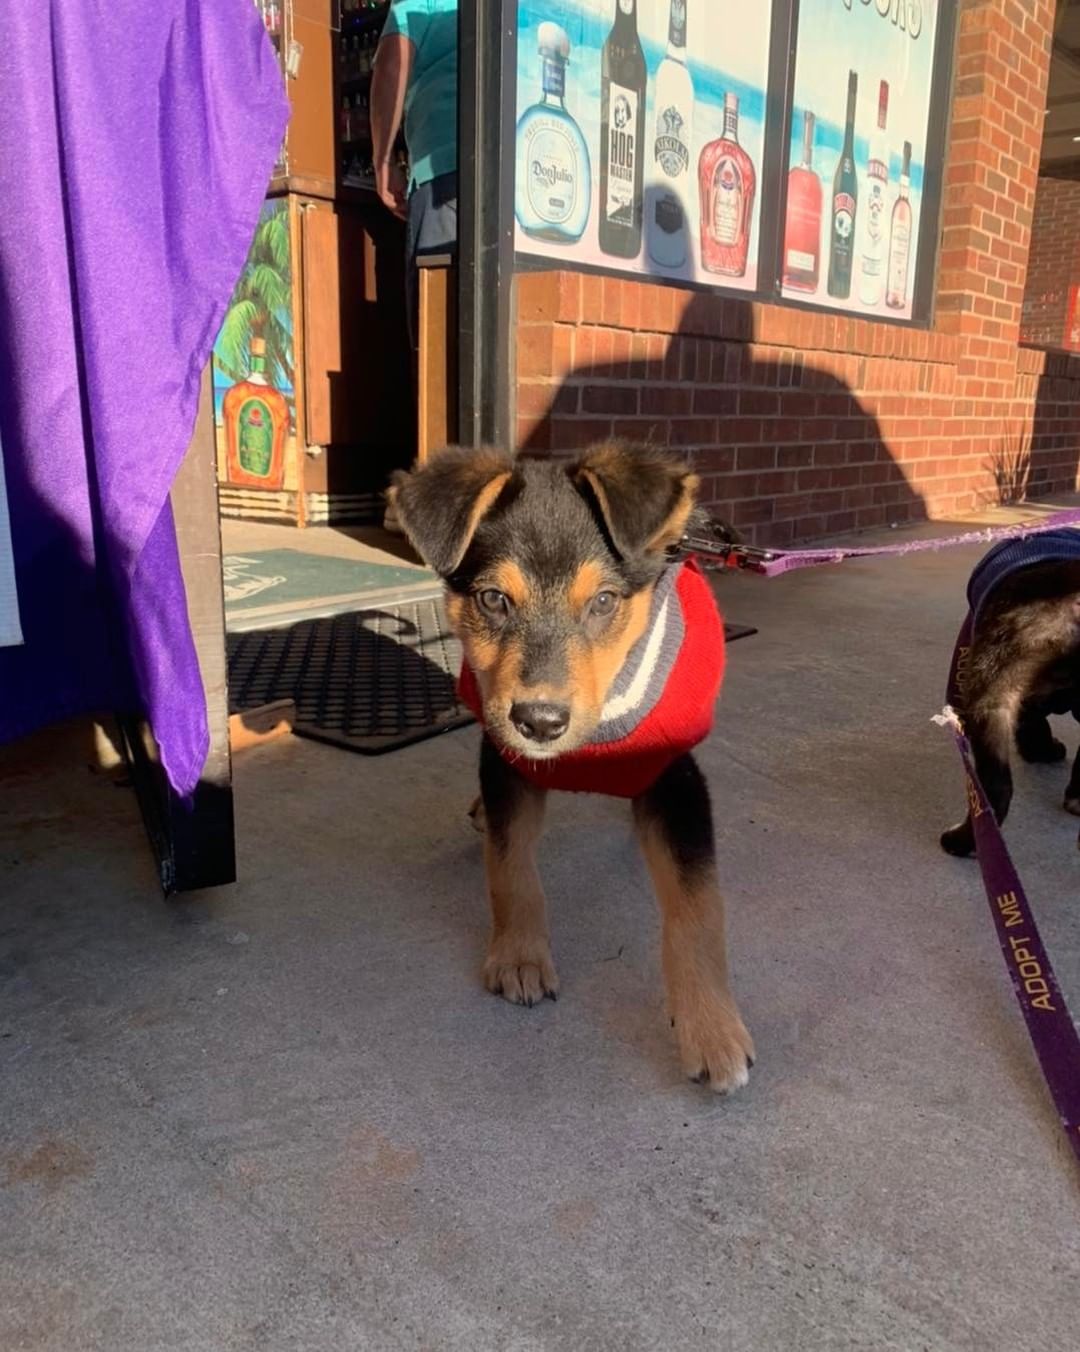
{"x": 136, "y": 143}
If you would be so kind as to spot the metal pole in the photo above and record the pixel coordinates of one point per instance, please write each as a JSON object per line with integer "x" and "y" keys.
{"x": 486, "y": 118}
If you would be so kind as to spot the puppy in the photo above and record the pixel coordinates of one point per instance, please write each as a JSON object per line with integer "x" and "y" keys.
{"x": 1021, "y": 662}
{"x": 593, "y": 662}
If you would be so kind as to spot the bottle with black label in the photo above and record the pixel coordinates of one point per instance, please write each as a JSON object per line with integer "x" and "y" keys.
{"x": 622, "y": 134}
{"x": 845, "y": 200}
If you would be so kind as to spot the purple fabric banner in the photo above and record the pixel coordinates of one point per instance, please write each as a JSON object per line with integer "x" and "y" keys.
{"x": 136, "y": 146}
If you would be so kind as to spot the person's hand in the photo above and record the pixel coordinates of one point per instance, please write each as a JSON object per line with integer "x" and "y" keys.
{"x": 392, "y": 187}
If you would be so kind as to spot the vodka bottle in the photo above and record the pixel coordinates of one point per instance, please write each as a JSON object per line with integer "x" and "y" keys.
{"x": 667, "y": 205}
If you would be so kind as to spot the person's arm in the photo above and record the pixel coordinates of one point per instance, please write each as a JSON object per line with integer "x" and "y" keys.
{"x": 393, "y": 67}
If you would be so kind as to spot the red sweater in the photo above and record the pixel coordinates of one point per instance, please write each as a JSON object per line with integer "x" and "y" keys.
{"x": 663, "y": 699}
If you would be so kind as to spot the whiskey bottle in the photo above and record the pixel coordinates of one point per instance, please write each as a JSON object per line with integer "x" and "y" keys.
{"x": 726, "y": 182}
{"x": 802, "y": 223}
{"x": 667, "y": 203}
{"x": 256, "y": 419}
{"x": 900, "y": 239}
{"x": 845, "y": 199}
{"x": 622, "y": 135}
{"x": 553, "y": 182}
{"x": 872, "y": 273}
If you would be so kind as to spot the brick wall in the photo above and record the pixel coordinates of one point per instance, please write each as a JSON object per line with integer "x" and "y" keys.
{"x": 807, "y": 424}
{"x": 1053, "y": 262}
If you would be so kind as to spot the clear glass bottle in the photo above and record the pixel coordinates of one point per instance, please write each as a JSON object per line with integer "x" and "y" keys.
{"x": 667, "y": 199}
{"x": 553, "y": 182}
{"x": 726, "y": 182}
{"x": 874, "y": 244}
{"x": 900, "y": 239}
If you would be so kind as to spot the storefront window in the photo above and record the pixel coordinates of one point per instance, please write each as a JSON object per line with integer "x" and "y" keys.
{"x": 1051, "y": 312}
{"x": 675, "y": 139}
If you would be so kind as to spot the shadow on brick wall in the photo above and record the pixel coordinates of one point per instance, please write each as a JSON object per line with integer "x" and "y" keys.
{"x": 784, "y": 448}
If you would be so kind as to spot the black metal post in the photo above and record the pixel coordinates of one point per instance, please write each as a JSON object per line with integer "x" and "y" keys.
{"x": 486, "y": 115}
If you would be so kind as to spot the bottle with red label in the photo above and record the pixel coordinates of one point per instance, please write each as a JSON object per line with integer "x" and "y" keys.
{"x": 802, "y": 224}
{"x": 727, "y": 183}
{"x": 256, "y": 420}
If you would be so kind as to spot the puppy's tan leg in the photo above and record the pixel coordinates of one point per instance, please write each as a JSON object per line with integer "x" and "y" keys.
{"x": 518, "y": 964}
{"x": 674, "y": 824}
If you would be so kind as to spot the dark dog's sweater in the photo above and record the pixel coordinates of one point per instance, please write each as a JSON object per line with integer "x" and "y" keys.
{"x": 660, "y": 705}
{"x": 1052, "y": 546}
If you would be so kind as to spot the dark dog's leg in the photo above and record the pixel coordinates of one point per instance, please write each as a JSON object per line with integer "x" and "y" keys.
{"x": 674, "y": 825}
{"x": 518, "y": 964}
{"x": 1034, "y": 740}
{"x": 1072, "y": 791}
{"x": 990, "y": 735}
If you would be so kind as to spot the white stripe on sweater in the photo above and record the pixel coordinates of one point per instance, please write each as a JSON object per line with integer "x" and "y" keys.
{"x": 620, "y": 705}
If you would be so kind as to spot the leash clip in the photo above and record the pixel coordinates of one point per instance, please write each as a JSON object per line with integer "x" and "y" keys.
{"x": 720, "y": 546}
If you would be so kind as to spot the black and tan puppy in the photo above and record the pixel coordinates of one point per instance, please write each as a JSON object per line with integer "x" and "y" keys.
{"x": 1022, "y": 662}
{"x": 561, "y": 588}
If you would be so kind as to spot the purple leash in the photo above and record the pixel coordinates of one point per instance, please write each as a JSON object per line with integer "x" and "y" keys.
{"x": 1042, "y": 1003}
{"x": 773, "y": 562}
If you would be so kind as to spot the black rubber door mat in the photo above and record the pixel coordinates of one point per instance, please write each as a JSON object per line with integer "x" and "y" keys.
{"x": 369, "y": 680}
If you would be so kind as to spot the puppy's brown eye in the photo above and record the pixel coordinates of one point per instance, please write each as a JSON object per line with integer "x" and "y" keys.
{"x": 493, "y": 602}
{"x": 603, "y": 603}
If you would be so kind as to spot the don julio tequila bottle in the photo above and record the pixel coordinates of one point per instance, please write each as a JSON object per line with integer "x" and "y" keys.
{"x": 667, "y": 204}
{"x": 622, "y": 134}
{"x": 872, "y": 273}
{"x": 726, "y": 182}
{"x": 844, "y": 201}
{"x": 802, "y": 224}
{"x": 553, "y": 179}
{"x": 900, "y": 239}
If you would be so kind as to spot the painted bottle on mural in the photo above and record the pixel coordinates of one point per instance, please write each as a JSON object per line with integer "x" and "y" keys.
{"x": 802, "y": 225}
{"x": 844, "y": 202}
{"x": 256, "y": 421}
{"x": 622, "y": 134}
{"x": 900, "y": 238}
{"x": 872, "y": 272}
{"x": 727, "y": 182}
{"x": 667, "y": 200}
{"x": 554, "y": 177}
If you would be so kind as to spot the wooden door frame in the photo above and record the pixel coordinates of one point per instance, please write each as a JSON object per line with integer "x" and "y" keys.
{"x": 194, "y": 843}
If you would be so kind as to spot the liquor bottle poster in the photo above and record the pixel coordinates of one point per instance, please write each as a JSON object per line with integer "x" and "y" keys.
{"x": 864, "y": 74}
{"x": 253, "y": 357}
{"x": 640, "y": 136}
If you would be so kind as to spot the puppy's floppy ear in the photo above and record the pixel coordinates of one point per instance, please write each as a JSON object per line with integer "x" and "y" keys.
{"x": 441, "y": 503}
{"x": 644, "y": 497}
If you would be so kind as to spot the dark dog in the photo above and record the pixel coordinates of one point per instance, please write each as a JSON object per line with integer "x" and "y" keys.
{"x": 1023, "y": 664}
{"x": 561, "y": 588}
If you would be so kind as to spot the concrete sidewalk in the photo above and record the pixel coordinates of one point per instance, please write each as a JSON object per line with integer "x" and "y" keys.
{"x": 285, "y": 1116}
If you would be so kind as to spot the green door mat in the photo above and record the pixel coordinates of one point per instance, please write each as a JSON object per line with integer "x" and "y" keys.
{"x": 279, "y": 577}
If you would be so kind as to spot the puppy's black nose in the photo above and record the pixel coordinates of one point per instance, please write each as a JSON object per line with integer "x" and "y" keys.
{"x": 540, "y": 722}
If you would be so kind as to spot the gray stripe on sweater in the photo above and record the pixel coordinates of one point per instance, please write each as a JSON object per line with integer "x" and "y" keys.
{"x": 655, "y": 650}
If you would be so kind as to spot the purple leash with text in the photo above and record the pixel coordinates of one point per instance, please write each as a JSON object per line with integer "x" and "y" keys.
{"x": 1046, "y": 1013}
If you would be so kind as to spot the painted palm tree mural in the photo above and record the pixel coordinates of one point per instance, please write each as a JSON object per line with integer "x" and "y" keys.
{"x": 261, "y": 306}
{"x": 254, "y": 403}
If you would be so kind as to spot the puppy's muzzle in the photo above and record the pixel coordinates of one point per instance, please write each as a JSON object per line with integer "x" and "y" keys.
{"x": 540, "y": 722}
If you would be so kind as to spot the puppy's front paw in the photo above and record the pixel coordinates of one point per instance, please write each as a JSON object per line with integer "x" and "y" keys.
{"x": 959, "y": 840}
{"x": 519, "y": 968}
{"x": 714, "y": 1045}
{"x": 1072, "y": 802}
